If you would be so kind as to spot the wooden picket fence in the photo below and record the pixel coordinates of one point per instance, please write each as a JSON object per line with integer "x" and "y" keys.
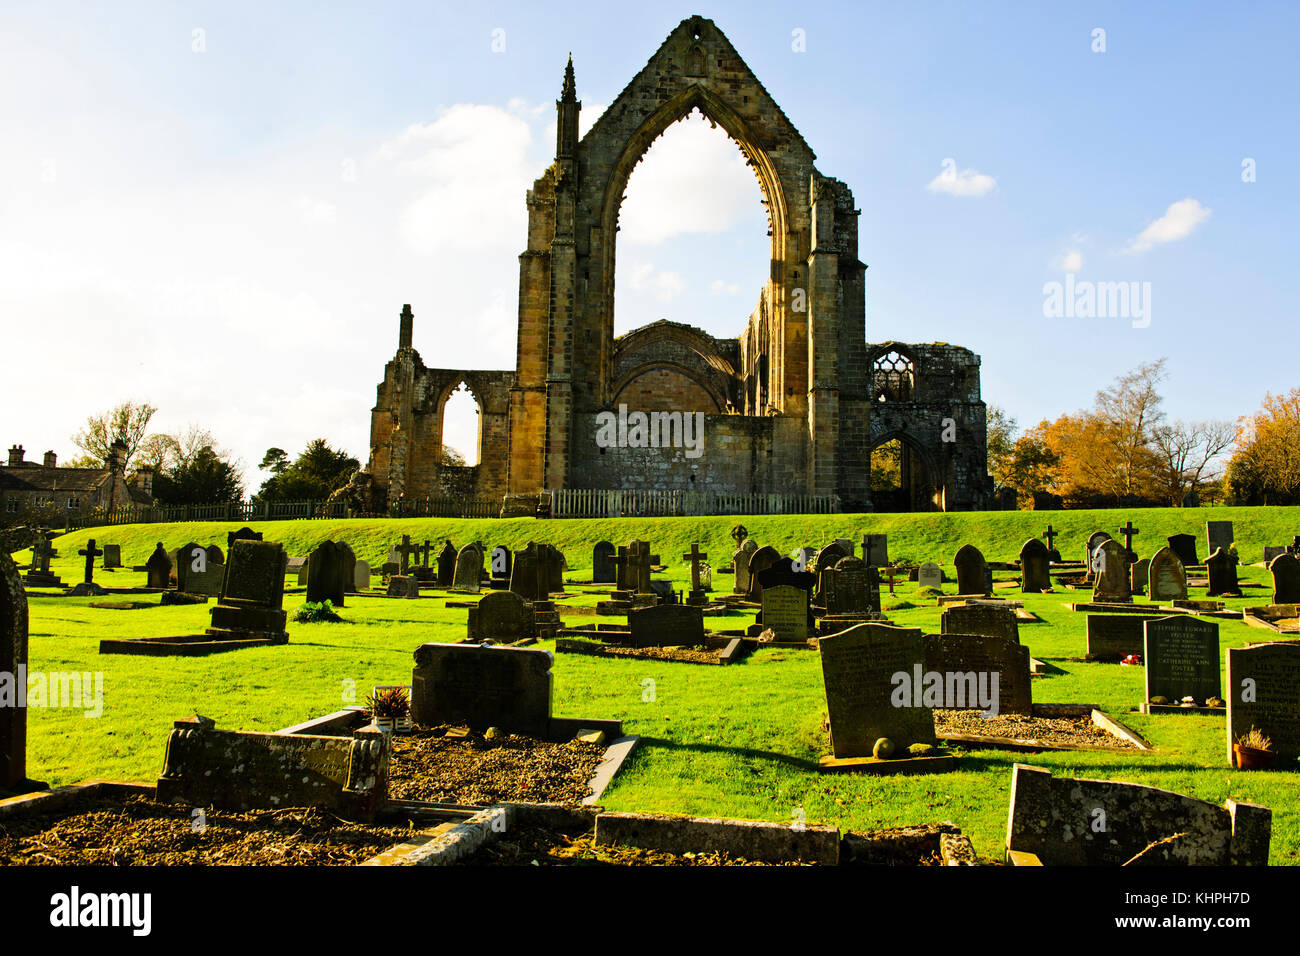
{"x": 598, "y": 503}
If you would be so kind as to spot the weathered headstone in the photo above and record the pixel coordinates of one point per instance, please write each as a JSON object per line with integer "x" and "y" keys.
{"x": 1035, "y": 567}
{"x": 13, "y": 667}
{"x": 740, "y": 565}
{"x": 188, "y": 557}
{"x": 760, "y": 560}
{"x": 972, "y": 570}
{"x": 1263, "y": 684}
{"x": 349, "y": 559}
{"x": 501, "y": 561}
{"x": 981, "y": 672}
{"x": 40, "y": 575}
{"x": 666, "y": 625}
{"x": 446, "y": 561}
{"x": 1184, "y": 547}
{"x": 1139, "y": 576}
{"x": 215, "y": 555}
{"x": 501, "y": 616}
{"x": 525, "y": 575}
{"x": 982, "y": 619}
{"x": 112, "y": 556}
{"x": 1218, "y": 534}
{"x": 469, "y": 569}
{"x": 243, "y": 534}
{"x": 866, "y": 700}
{"x": 875, "y": 550}
{"x": 785, "y": 612}
{"x": 1071, "y": 821}
{"x": 831, "y": 555}
{"x": 327, "y": 575}
{"x": 929, "y": 575}
{"x": 1271, "y": 551}
{"x": 252, "y": 594}
{"x": 1221, "y": 568}
{"x": 492, "y": 686}
{"x": 602, "y": 563}
{"x": 1285, "y": 569}
{"x": 361, "y": 576}
{"x": 1111, "y": 574}
{"x": 1115, "y": 636}
{"x": 1181, "y": 658}
{"x": 159, "y": 568}
{"x": 403, "y": 586}
{"x": 851, "y": 587}
{"x": 1167, "y": 581}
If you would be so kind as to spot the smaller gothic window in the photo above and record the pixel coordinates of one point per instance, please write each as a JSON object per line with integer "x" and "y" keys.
{"x": 893, "y": 378}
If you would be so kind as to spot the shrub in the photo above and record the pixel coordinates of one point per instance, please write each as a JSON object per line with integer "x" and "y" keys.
{"x": 313, "y": 612}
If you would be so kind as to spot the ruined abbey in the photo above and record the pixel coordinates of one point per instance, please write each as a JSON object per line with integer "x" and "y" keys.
{"x": 795, "y": 404}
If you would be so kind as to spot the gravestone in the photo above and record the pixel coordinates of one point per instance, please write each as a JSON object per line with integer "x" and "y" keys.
{"x": 846, "y": 544}
{"x": 1181, "y": 658}
{"x": 803, "y": 558}
{"x": 602, "y": 563}
{"x": 13, "y": 662}
{"x": 349, "y": 557}
{"x": 696, "y": 558}
{"x": 112, "y": 556}
{"x": 159, "y": 568}
{"x": 1166, "y": 579}
{"x": 40, "y": 575}
{"x": 978, "y": 657}
{"x": 851, "y": 587}
{"x": 361, "y": 576}
{"x": 215, "y": 555}
{"x": 859, "y": 667}
{"x": 706, "y": 576}
{"x": 1263, "y": 685}
{"x": 327, "y": 575}
{"x": 553, "y": 565}
{"x": 1094, "y": 542}
{"x": 501, "y": 616}
{"x": 666, "y": 625}
{"x": 252, "y": 594}
{"x": 1218, "y": 534}
{"x": 403, "y": 586}
{"x": 243, "y": 534}
{"x": 392, "y": 562}
{"x": 304, "y": 570}
{"x": 525, "y": 574}
{"x": 492, "y": 686}
{"x": 740, "y": 566}
{"x": 929, "y": 575}
{"x": 785, "y": 612}
{"x": 188, "y": 557}
{"x": 501, "y": 562}
{"x": 982, "y": 619}
{"x": 1115, "y": 636}
{"x": 207, "y": 580}
{"x": 90, "y": 552}
{"x": 469, "y": 570}
{"x": 1110, "y": 574}
{"x": 760, "y": 560}
{"x": 1071, "y": 821}
{"x": 1221, "y": 568}
{"x": 446, "y": 562}
{"x": 875, "y": 550}
{"x": 1285, "y": 569}
{"x": 1184, "y": 547}
{"x": 1035, "y": 567}
{"x": 831, "y": 555}
{"x": 1271, "y": 551}
{"x": 1139, "y": 576}
{"x": 972, "y": 570}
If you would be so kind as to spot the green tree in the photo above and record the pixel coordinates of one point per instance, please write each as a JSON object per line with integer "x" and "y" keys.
{"x": 314, "y": 474}
{"x": 128, "y": 422}
{"x": 276, "y": 461}
{"x": 205, "y": 478}
{"x": 1000, "y": 431}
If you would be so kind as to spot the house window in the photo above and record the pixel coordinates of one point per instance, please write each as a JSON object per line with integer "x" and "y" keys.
{"x": 11, "y": 505}
{"x": 74, "y": 503}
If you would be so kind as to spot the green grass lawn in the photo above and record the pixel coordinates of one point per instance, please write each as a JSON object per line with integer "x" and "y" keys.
{"x": 739, "y": 741}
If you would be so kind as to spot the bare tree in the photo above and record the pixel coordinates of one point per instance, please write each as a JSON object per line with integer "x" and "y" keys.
{"x": 1130, "y": 411}
{"x": 1188, "y": 453}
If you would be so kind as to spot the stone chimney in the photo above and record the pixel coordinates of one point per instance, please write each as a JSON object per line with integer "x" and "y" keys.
{"x": 16, "y": 456}
{"x": 406, "y": 321}
{"x": 144, "y": 479}
{"x": 51, "y": 460}
{"x": 117, "y": 457}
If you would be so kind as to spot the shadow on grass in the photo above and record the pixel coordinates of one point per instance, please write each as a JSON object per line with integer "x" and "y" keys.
{"x": 744, "y": 752}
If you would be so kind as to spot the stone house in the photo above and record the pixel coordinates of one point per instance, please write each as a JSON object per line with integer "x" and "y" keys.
{"x": 55, "y": 493}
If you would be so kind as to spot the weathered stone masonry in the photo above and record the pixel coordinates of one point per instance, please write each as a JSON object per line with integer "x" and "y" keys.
{"x": 792, "y": 405}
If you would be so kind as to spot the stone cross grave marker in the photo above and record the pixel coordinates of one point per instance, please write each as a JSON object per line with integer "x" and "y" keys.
{"x": 1111, "y": 574}
{"x": 738, "y": 534}
{"x": 1049, "y": 536}
{"x": 405, "y": 551}
{"x": 90, "y": 552}
{"x": 1285, "y": 569}
{"x": 492, "y": 686}
{"x": 1035, "y": 567}
{"x": 859, "y": 670}
{"x": 1181, "y": 658}
{"x": 1264, "y": 692}
{"x": 1128, "y": 531}
{"x": 42, "y": 551}
{"x": 666, "y": 625}
{"x": 695, "y": 556}
{"x": 1218, "y": 534}
{"x": 1221, "y": 568}
{"x": 972, "y": 570}
{"x": 602, "y": 563}
{"x": 1166, "y": 579}
{"x": 785, "y": 612}
{"x": 1184, "y": 546}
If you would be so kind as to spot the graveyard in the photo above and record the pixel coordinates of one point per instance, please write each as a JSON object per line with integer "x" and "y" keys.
{"x": 748, "y": 741}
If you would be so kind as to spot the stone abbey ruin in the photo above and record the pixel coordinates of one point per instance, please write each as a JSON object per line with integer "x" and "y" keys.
{"x": 796, "y": 404}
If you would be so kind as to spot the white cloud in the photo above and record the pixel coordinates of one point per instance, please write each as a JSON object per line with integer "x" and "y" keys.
{"x": 968, "y": 182}
{"x": 316, "y": 211}
{"x": 1071, "y": 261}
{"x": 720, "y": 287}
{"x": 692, "y": 180}
{"x": 1178, "y": 222}
{"x": 663, "y": 285}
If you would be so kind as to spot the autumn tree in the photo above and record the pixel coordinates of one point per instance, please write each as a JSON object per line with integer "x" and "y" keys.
{"x": 1265, "y": 464}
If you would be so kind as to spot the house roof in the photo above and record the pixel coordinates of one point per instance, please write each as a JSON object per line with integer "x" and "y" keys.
{"x": 32, "y": 477}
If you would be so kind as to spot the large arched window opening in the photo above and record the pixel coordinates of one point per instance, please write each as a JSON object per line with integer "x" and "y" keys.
{"x": 893, "y": 377}
{"x": 462, "y": 428}
{"x": 693, "y": 235}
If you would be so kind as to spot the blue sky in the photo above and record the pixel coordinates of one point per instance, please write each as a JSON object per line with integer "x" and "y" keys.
{"x": 230, "y": 232}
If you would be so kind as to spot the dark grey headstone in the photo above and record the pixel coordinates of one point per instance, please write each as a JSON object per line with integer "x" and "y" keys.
{"x": 112, "y": 556}
{"x": 968, "y": 663}
{"x": 1115, "y": 636}
{"x": 1181, "y": 658}
{"x": 972, "y": 570}
{"x": 1221, "y": 569}
{"x": 666, "y": 625}
{"x": 1184, "y": 546}
{"x": 981, "y": 619}
{"x": 1218, "y": 534}
{"x": 327, "y": 574}
{"x": 1264, "y": 692}
{"x": 1111, "y": 583}
{"x": 159, "y": 568}
{"x": 1035, "y": 567}
{"x": 1285, "y": 569}
{"x": 501, "y": 616}
{"x": 602, "y": 563}
{"x": 243, "y": 534}
{"x": 875, "y": 550}
{"x": 446, "y": 562}
{"x": 492, "y": 686}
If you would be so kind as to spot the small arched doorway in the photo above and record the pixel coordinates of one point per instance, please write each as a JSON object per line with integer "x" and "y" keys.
{"x": 901, "y": 478}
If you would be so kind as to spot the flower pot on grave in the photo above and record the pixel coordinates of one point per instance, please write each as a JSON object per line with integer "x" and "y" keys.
{"x": 1252, "y": 758}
